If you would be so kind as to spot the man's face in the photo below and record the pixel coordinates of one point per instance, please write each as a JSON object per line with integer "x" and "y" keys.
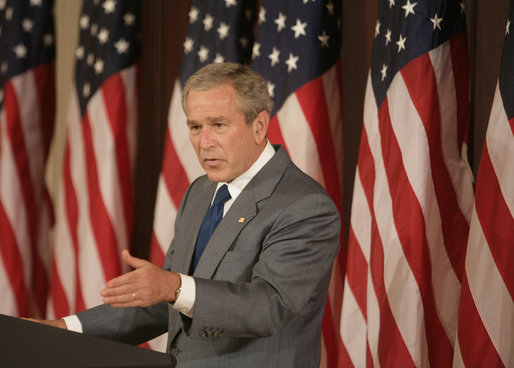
{"x": 225, "y": 145}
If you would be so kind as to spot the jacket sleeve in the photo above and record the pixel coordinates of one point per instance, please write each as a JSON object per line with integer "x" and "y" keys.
{"x": 129, "y": 325}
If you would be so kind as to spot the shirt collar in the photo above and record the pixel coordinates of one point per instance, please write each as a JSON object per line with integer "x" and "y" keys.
{"x": 236, "y": 186}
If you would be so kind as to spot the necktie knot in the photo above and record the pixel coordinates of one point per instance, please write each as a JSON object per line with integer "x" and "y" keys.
{"x": 222, "y": 195}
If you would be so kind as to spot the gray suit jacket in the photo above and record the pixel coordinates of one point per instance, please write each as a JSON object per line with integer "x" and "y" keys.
{"x": 261, "y": 283}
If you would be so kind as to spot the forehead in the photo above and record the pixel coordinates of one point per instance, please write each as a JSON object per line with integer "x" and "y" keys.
{"x": 221, "y": 99}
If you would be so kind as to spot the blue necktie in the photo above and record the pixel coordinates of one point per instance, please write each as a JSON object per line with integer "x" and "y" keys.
{"x": 210, "y": 222}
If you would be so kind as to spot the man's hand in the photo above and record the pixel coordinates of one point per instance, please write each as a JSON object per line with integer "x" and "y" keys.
{"x": 145, "y": 286}
{"x": 59, "y": 323}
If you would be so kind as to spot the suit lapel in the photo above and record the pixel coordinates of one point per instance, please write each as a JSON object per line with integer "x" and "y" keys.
{"x": 198, "y": 202}
{"x": 244, "y": 207}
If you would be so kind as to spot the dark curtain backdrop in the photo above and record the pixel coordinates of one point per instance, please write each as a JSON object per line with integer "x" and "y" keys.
{"x": 164, "y": 26}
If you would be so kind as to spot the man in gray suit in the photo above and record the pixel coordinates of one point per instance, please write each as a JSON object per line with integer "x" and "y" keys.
{"x": 256, "y": 295}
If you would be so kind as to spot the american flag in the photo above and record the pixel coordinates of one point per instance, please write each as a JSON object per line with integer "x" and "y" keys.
{"x": 413, "y": 191}
{"x": 94, "y": 207}
{"x": 218, "y": 31}
{"x": 485, "y": 335}
{"x": 297, "y": 50}
{"x": 27, "y": 111}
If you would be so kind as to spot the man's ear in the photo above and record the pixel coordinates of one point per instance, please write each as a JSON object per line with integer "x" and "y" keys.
{"x": 260, "y": 127}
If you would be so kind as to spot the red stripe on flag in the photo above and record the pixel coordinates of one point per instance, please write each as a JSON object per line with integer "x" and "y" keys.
{"x": 392, "y": 351}
{"x": 275, "y": 133}
{"x": 174, "y": 174}
{"x": 357, "y": 272}
{"x": 475, "y": 344}
{"x": 113, "y": 94}
{"x": 60, "y": 305}
{"x": 420, "y": 81}
{"x": 13, "y": 263}
{"x": 410, "y": 226}
{"x": 20, "y": 154}
{"x": 313, "y": 103}
{"x": 391, "y": 347}
{"x": 495, "y": 219}
{"x": 101, "y": 224}
{"x": 156, "y": 254}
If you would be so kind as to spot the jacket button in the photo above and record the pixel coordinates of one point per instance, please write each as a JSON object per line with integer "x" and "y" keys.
{"x": 174, "y": 351}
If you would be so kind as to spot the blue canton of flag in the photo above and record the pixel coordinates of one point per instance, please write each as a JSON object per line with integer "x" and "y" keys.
{"x": 26, "y": 37}
{"x": 219, "y": 31}
{"x": 108, "y": 44}
{"x": 297, "y": 42}
{"x": 507, "y": 69}
{"x": 404, "y": 32}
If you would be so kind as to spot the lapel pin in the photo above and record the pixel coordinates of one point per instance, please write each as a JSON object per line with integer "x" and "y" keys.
{"x": 241, "y": 220}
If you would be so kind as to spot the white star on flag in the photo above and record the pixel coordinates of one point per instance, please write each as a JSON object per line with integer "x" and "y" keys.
{"x": 324, "y": 37}
{"x": 291, "y": 62}
{"x": 409, "y": 8}
{"x": 401, "y": 43}
{"x": 193, "y": 15}
{"x": 388, "y": 36}
{"x": 99, "y": 67}
{"x": 219, "y": 58}
{"x": 129, "y": 19}
{"x": 274, "y": 56}
{"x": 109, "y": 6}
{"x": 121, "y": 46}
{"x": 223, "y": 30}
{"x": 188, "y": 45}
{"x": 208, "y": 22}
{"x": 299, "y": 28}
{"x": 84, "y": 22}
{"x": 383, "y": 71}
{"x": 256, "y": 49}
{"x": 103, "y": 36}
{"x": 437, "y": 21}
{"x": 203, "y": 53}
{"x": 20, "y": 50}
{"x": 271, "y": 89}
{"x": 262, "y": 15}
{"x": 27, "y": 25}
{"x": 280, "y": 22}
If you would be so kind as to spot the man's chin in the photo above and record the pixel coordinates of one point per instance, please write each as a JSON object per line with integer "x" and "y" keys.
{"x": 216, "y": 176}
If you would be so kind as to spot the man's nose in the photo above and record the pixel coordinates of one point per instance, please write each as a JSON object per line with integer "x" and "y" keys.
{"x": 206, "y": 139}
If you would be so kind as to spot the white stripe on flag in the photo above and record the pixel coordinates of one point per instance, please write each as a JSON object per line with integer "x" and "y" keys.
{"x": 491, "y": 301}
{"x": 298, "y": 138}
{"x": 456, "y": 162}
{"x": 413, "y": 143}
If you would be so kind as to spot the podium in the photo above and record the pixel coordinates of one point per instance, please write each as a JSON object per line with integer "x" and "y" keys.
{"x": 28, "y": 344}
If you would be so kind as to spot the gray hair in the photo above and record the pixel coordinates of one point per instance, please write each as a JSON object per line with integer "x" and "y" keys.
{"x": 252, "y": 89}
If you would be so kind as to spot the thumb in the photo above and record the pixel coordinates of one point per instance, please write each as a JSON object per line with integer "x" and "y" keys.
{"x": 132, "y": 261}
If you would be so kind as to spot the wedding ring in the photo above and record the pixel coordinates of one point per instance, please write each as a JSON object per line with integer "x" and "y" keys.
{"x": 133, "y": 295}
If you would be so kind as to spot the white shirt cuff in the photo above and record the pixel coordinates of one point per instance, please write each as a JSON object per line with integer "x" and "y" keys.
{"x": 186, "y": 300}
{"x": 73, "y": 323}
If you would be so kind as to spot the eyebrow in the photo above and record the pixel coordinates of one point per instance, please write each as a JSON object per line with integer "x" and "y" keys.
{"x": 214, "y": 119}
